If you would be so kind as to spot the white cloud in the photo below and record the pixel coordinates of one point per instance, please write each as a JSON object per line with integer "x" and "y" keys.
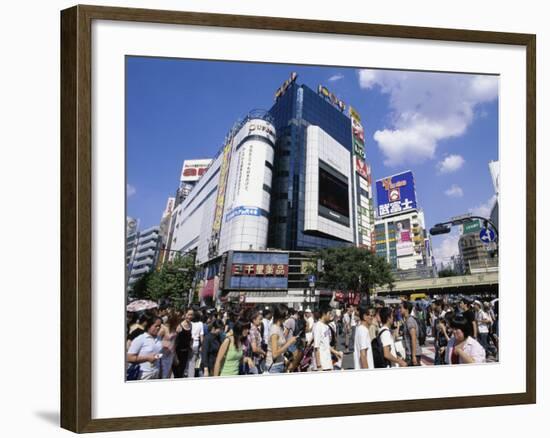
{"x": 425, "y": 109}
{"x": 450, "y": 164}
{"x": 484, "y": 209}
{"x": 130, "y": 190}
{"x": 454, "y": 192}
{"x": 446, "y": 247}
{"x": 336, "y": 77}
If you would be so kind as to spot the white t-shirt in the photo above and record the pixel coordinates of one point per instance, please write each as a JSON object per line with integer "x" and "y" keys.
{"x": 387, "y": 339}
{"x": 481, "y": 326}
{"x": 267, "y": 328}
{"x": 197, "y": 329}
{"x": 321, "y": 341}
{"x": 362, "y": 342}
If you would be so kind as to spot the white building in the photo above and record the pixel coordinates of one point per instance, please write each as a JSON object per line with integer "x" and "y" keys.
{"x": 146, "y": 254}
{"x": 402, "y": 240}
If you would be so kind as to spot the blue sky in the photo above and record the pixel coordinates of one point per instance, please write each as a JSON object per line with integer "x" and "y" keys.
{"x": 442, "y": 126}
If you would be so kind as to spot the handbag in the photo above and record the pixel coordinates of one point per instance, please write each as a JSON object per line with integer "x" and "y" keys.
{"x": 133, "y": 372}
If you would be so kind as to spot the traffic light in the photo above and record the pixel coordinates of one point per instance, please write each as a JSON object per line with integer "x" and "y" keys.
{"x": 440, "y": 229}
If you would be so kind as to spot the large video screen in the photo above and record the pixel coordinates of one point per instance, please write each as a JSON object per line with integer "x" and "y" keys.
{"x": 333, "y": 193}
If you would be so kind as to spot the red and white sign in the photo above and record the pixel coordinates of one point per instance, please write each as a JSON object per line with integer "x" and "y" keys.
{"x": 194, "y": 169}
{"x": 361, "y": 167}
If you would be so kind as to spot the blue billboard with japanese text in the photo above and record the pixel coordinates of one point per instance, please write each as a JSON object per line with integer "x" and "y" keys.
{"x": 395, "y": 194}
{"x": 257, "y": 270}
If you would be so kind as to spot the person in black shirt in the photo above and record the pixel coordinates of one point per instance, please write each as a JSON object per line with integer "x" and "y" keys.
{"x": 211, "y": 346}
{"x": 468, "y": 313}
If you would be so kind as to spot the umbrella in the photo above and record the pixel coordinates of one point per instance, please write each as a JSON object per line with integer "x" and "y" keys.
{"x": 494, "y": 301}
{"x": 139, "y": 305}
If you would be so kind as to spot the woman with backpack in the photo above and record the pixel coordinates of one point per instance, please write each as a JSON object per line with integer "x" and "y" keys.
{"x": 231, "y": 353}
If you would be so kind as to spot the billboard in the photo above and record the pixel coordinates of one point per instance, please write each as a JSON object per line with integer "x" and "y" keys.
{"x": 396, "y": 194}
{"x": 404, "y": 244}
{"x": 193, "y": 169}
{"x": 257, "y": 270}
{"x": 282, "y": 89}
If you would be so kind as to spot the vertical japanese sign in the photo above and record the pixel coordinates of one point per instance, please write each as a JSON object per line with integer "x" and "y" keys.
{"x": 220, "y": 199}
{"x": 364, "y": 218}
{"x": 396, "y": 194}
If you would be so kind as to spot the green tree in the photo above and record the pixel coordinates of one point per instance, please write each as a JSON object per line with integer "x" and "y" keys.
{"x": 352, "y": 269}
{"x": 447, "y": 272}
{"x": 139, "y": 290}
{"x": 173, "y": 280}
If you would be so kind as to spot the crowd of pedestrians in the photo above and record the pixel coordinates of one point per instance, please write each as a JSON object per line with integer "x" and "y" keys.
{"x": 202, "y": 342}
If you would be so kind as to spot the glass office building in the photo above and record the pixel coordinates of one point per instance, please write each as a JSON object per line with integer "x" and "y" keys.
{"x": 297, "y": 109}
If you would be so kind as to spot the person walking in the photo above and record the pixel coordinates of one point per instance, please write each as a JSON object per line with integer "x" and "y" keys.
{"x": 255, "y": 342}
{"x": 462, "y": 347}
{"x": 277, "y": 344}
{"x": 362, "y": 354}
{"x": 413, "y": 350}
{"x": 322, "y": 340}
{"x": 145, "y": 349}
{"x": 231, "y": 353}
{"x": 387, "y": 338}
{"x": 183, "y": 344}
{"x": 210, "y": 348}
{"x": 168, "y": 334}
{"x": 483, "y": 322}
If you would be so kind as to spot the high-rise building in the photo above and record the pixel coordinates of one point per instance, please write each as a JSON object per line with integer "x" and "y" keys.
{"x": 146, "y": 254}
{"x": 164, "y": 231}
{"x": 320, "y": 179}
{"x": 400, "y": 228}
{"x": 285, "y": 181}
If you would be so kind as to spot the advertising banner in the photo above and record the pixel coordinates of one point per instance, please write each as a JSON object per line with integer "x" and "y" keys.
{"x": 258, "y": 270}
{"x": 396, "y": 194}
{"x": 361, "y": 167}
{"x": 193, "y": 169}
{"x": 220, "y": 196}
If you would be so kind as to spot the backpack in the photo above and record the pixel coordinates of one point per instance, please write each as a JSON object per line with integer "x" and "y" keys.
{"x": 378, "y": 352}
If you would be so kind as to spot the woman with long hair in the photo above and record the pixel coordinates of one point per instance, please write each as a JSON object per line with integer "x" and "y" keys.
{"x": 145, "y": 349}
{"x": 183, "y": 344}
{"x": 231, "y": 352}
{"x": 278, "y": 345}
{"x": 211, "y": 346}
{"x": 168, "y": 333}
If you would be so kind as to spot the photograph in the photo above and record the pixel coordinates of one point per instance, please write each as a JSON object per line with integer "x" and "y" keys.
{"x": 298, "y": 218}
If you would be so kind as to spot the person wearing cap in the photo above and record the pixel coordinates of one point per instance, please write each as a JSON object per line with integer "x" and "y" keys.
{"x": 483, "y": 322}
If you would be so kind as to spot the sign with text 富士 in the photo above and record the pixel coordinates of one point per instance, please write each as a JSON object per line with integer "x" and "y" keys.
{"x": 396, "y": 194}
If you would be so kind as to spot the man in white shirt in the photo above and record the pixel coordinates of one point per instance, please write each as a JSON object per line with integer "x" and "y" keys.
{"x": 350, "y": 325}
{"x": 308, "y": 315}
{"x": 362, "y": 354}
{"x": 321, "y": 342}
{"x": 387, "y": 340}
{"x": 483, "y": 322}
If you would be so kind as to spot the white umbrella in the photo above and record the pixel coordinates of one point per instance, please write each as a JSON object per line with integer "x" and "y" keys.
{"x": 139, "y": 305}
{"x": 494, "y": 301}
